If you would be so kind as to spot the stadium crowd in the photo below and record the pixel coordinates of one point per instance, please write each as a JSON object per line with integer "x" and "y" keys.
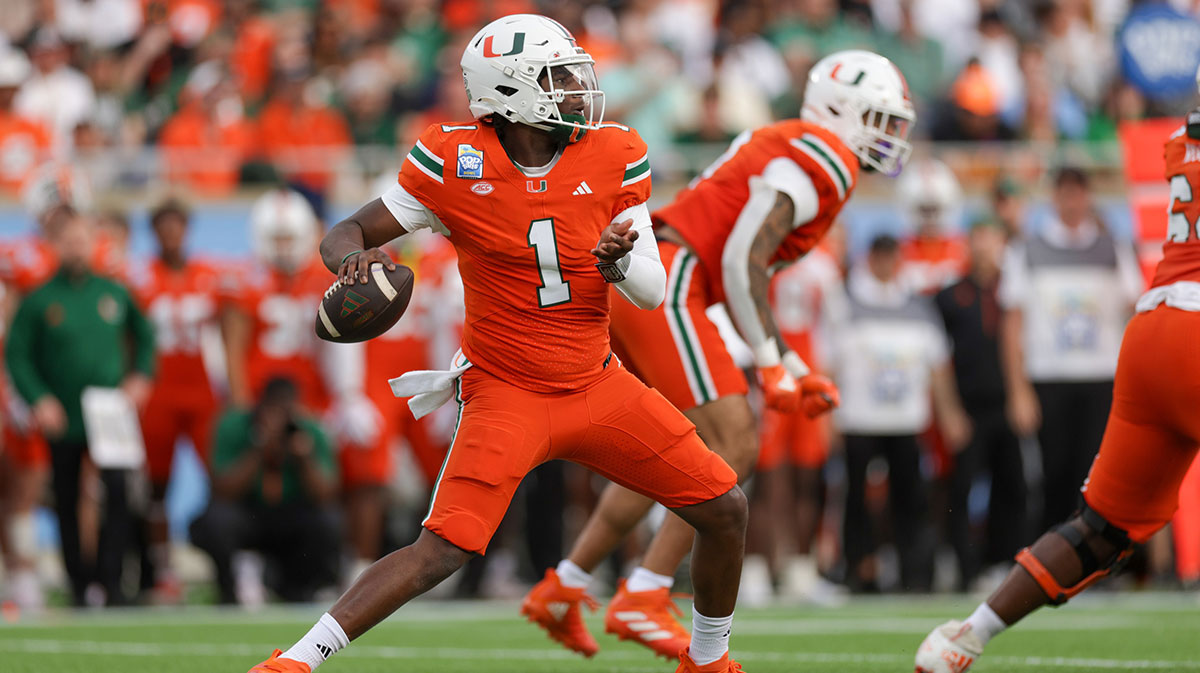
{"x": 243, "y": 90}
{"x": 943, "y": 343}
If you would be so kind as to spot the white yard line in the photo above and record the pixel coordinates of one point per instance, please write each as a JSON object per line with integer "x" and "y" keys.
{"x": 45, "y": 646}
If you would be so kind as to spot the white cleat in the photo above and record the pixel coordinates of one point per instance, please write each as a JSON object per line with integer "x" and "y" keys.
{"x": 951, "y": 648}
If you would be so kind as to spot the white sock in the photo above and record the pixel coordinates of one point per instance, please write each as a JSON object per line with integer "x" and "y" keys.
{"x": 321, "y": 641}
{"x": 986, "y": 623}
{"x": 572, "y": 576}
{"x": 644, "y": 580}
{"x": 710, "y": 637}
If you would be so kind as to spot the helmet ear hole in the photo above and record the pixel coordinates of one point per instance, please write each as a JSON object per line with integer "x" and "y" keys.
{"x": 506, "y": 90}
{"x": 833, "y": 111}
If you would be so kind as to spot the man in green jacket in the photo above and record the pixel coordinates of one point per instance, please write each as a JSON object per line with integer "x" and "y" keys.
{"x": 76, "y": 331}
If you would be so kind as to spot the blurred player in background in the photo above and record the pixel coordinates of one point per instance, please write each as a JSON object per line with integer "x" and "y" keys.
{"x": 764, "y": 203}
{"x": 425, "y": 339}
{"x": 267, "y": 325}
{"x": 179, "y": 295}
{"x": 785, "y": 509}
{"x": 546, "y": 206}
{"x": 1151, "y": 440}
{"x": 935, "y": 256}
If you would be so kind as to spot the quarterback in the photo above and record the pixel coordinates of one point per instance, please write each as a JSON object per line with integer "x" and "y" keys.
{"x": 1152, "y": 437}
{"x": 766, "y": 202}
{"x": 545, "y": 207}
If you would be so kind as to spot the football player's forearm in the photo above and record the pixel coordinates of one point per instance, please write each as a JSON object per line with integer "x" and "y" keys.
{"x": 763, "y": 224}
{"x": 645, "y": 284}
{"x": 345, "y": 238}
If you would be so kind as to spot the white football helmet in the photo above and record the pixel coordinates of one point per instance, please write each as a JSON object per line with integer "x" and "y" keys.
{"x": 504, "y": 66}
{"x": 283, "y": 230}
{"x": 56, "y": 184}
{"x": 931, "y": 194}
{"x": 863, "y": 98}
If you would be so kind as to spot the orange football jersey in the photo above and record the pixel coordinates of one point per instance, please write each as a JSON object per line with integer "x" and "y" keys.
{"x": 537, "y": 308}
{"x": 930, "y": 264}
{"x": 283, "y": 342}
{"x": 27, "y": 263}
{"x": 705, "y": 213}
{"x": 1181, "y": 252}
{"x": 179, "y": 302}
{"x": 406, "y": 346}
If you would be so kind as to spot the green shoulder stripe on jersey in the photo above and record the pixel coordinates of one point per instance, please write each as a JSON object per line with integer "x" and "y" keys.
{"x": 446, "y": 128}
{"x": 827, "y": 158}
{"x": 425, "y": 161}
{"x": 636, "y": 171}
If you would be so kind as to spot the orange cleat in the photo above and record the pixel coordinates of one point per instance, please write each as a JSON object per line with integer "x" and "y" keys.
{"x": 722, "y": 665}
{"x": 274, "y": 664}
{"x": 648, "y": 618}
{"x": 555, "y": 608}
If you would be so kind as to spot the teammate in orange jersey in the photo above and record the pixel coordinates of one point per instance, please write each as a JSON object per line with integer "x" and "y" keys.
{"x": 545, "y": 206}
{"x": 1152, "y": 437}
{"x": 936, "y": 255}
{"x": 179, "y": 296}
{"x": 266, "y": 322}
{"x": 433, "y": 318}
{"x": 766, "y": 202}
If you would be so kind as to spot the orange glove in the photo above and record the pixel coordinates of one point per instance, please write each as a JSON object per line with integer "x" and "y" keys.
{"x": 818, "y": 395}
{"x": 781, "y": 392}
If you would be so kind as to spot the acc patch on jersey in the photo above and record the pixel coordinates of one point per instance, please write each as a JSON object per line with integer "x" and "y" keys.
{"x": 470, "y": 163}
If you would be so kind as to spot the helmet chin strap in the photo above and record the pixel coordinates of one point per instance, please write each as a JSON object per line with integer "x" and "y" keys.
{"x": 569, "y": 134}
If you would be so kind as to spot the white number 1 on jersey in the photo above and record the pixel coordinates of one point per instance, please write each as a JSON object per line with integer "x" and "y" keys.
{"x": 554, "y": 289}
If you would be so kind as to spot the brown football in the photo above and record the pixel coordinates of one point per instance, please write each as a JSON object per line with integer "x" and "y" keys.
{"x": 352, "y": 313}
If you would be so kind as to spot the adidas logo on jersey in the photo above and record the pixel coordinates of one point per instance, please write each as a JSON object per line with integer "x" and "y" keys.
{"x": 582, "y": 189}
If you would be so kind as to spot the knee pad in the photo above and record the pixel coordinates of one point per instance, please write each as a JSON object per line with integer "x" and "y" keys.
{"x": 1092, "y": 569}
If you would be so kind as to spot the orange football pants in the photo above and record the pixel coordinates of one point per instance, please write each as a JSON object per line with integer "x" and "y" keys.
{"x": 373, "y": 465}
{"x": 171, "y": 412}
{"x": 794, "y": 439}
{"x": 1186, "y": 527}
{"x": 615, "y": 426}
{"x": 675, "y": 348}
{"x": 26, "y": 450}
{"x": 1153, "y": 428}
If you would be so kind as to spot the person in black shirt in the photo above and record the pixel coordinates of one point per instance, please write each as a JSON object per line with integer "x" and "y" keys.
{"x": 972, "y": 316}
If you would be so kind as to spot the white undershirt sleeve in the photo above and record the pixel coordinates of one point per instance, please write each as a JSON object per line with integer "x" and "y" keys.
{"x": 410, "y": 212}
{"x": 645, "y": 283}
{"x": 781, "y": 175}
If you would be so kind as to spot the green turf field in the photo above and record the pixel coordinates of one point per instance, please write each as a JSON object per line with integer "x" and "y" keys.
{"x": 1157, "y": 632}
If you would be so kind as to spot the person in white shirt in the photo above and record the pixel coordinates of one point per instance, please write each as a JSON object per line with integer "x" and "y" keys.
{"x": 1067, "y": 292}
{"x": 890, "y": 358}
{"x": 57, "y": 95}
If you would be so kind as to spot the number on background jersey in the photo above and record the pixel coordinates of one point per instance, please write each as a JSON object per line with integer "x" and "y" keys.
{"x": 288, "y": 326}
{"x": 177, "y": 321}
{"x": 554, "y": 290}
{"x": 1179, "y": 229}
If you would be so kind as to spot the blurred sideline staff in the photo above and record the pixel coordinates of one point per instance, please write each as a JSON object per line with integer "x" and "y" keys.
{"x": 79, "y": 330}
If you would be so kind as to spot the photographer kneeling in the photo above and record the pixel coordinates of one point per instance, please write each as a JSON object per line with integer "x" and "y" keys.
{"x": 274, "y": 479}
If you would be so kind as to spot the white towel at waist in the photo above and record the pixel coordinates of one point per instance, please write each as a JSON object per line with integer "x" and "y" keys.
{"x": 430, "y": 389}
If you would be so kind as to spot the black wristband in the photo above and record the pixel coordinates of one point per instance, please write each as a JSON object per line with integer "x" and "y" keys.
{"x": 610, "y": 272}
